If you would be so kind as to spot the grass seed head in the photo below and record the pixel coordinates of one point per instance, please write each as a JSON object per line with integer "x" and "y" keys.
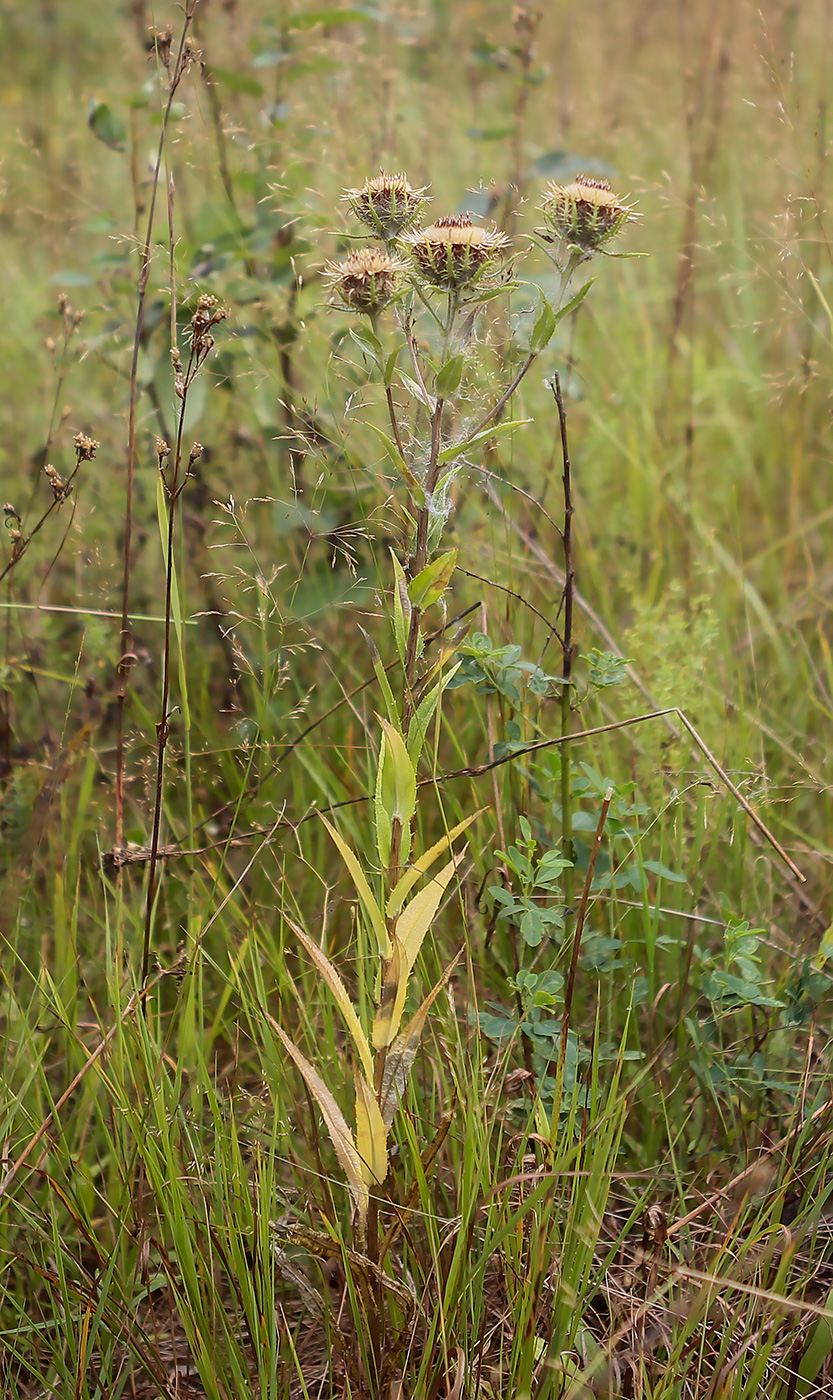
{"x": 586, "y": 214}
{"x": 387, "y": 205}
{"x": 454, "y": 252}
{"x": 367, "y": 281}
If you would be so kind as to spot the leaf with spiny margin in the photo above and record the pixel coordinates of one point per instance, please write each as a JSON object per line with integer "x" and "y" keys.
{"x": 401, "y": 609}
{"x": 499, "y": 429}
{"x": 342, "y": 999}
{"x": 395, "y": 796}
{"x": 340, "y": 1135}
{"x": 363, "y": 890}
{"x": 381, "y": 675}
{"x": 392, "y": 976}
{"x": 545, "y": 324}
{"x": 403, "y": 1051}
{"x": 371, "y": 1134}
{"x": 416, "y": 918}
{"x": 411, "y": 927}
{"x": 425, "y": 711}
{"x": 430, "y": 584}
{"x": 424, "y": 862}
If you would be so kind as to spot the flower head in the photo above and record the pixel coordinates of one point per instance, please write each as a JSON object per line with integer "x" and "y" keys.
{"x": 85, "y": 447}
{"x": 367, "y": 280}
{"x": 454, "y": 252}
{"x": 585, "y": 214}
{"x": 387, "y": 204}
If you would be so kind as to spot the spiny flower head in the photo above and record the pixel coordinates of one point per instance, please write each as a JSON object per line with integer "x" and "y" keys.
{"x": 367, "y": 280}
{"x": 586, "y": 214}
{"x": 387, "y": 204}
{"x": 454, "y": 252}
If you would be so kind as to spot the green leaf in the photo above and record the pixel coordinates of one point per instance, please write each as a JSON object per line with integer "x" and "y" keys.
{"x": 499, "y": 430}
{"x": 401, "y": 609}
{"x": 390, "y": 366}
{"x": 237, "y": 82}
{"x": 574, "y": 302}
{"x": 107, "y": 125}
{"x": 449, "y": 376}
{"x": 370, "y": 343}
{"x": 545, "y": 324}
{"x": 430, "y": 585}
{"x": 395, "y": 798}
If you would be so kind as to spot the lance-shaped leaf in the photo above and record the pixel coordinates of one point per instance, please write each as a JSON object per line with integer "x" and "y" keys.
{"x": 395, "y": 798}
{"x": 340, "y": 1135}
{"x": 363, "y": 890}
{"x": 424, "y": 862}
{"x": 497, "y": 430}
{"x": 416, "y": 918}
{"x": 426, "y": 707}
{"x": 411, "y": 927}
{"x": 342, "y": 999}
{"x": 403, "y": 1051}
{"x": 371, "y": 1134}
{"x": 430, "y": 584}
{"x": 401, "y": 608}
{"x": 393, "y": 972}
{"x": 545, "y": 324}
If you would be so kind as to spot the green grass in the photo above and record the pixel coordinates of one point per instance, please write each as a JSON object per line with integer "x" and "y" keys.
{"x": 174, "y": 1218}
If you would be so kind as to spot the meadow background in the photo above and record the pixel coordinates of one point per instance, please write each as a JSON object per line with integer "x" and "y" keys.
{"x": 652, "y": 1218}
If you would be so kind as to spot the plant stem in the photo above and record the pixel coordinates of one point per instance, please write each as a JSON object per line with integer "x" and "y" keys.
{"x": 567, "y": 652}
{"x": 126, "y": 657}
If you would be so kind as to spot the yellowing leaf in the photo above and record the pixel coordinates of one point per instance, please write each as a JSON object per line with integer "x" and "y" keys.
{"x": 343, "y": 1002}
{"x": 411, "y": 927}
{"x": 363, "y": 890}
{"x": 392, "y": 976}
{"x": 403, "y": 1051}
{"x": 371, "y": 1134}
{"x": 418, "y": 867}
{"x": 416, "y": 918}
{"x": 340, "y": 1135}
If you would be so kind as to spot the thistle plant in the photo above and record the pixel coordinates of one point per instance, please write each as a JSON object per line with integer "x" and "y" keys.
{"x": 418, "y": 293}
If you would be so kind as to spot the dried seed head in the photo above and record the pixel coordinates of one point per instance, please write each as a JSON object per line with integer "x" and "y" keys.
{"x": 367, "y": 280}
{"x": 162, "y": 448}
{"x": 387, "y": 204}
{"x": 160, "y": 42}
{"x": 454, "y": 252}
{"x": 586, "y": 214}
{"x": 10, "y": 512}
{"x": 85, "y": 447}
{"x": 60, "y": 490}
{"x": 195, "y": 454}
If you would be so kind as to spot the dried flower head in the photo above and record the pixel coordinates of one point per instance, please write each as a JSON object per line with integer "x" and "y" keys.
{"x": 388, "y": 204}
{"x": 60, "y": 490}
{"x": 367, "y": 280}
{"x": 162, "y": 448}
{"x": 586, "y": 214}
{"x": 454, "y": 252}
{"x": 85, "y": 447}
